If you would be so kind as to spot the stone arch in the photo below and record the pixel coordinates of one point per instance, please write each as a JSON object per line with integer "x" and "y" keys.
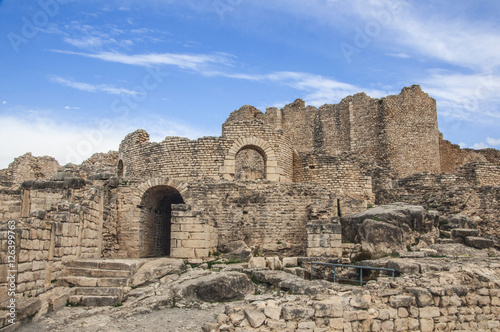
{"x": 271, "y": 160}
{"x": 250, "y": 163}
{"x": 155, "y": 216}
{"x": 180, "y": 186}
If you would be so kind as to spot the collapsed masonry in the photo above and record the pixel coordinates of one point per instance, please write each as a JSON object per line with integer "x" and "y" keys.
{"x": 278, "y": 181}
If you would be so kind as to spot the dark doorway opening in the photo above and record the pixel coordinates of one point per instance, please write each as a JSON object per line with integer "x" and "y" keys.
{"x": 156, "y": 220}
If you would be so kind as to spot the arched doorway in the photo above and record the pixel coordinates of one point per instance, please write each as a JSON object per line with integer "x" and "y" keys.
{"x": 156, "y": 217}
{"x": 250, "y": 164}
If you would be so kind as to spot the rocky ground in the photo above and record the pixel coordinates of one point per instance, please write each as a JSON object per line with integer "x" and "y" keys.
{"x": 109, "y": 319}
{"x": 457, "y": 290}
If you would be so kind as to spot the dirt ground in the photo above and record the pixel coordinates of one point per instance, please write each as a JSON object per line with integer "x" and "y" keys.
{"x": 109, "y": 319}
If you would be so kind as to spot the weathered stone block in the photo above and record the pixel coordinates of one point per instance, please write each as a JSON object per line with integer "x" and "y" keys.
{"x": 333, "y": 308}
{"x": 255, "y": 318}
{"x": 297, "y": 312}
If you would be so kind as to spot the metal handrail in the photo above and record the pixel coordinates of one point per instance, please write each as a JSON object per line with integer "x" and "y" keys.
{"x": 349, "y": 266}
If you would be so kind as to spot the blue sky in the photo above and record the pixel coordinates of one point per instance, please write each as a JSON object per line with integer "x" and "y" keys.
{"x": 78, "y": 75}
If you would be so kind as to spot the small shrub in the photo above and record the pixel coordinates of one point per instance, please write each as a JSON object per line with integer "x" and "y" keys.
{"x": 117, "y": 305}
{"x": 255, "y": 280}
{"x": 408, "y": 248}
{"x": 362, "y": 256}
{"x": 376, "y": 219}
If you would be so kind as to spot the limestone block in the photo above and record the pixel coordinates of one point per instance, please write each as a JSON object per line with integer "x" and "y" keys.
{"x": 336, "y": 323}
{"x": 426, "y": 325}
{"x": 429, "y": 312}
{"x": 297, "y": 312}
{"x": 332, "y": 307}
{"x": 276, "y": 325}
{"x": 182, "y": 253}
{"x": 307, "y": 325}
{"x": 202, "y": 253}
{"x": 255, "y": 317}
{"x": 274, "y": 263}
{"x": 273, "y": 312}
{"x": 257, "y": 263}
{"x": 289, "y": 262}
{"x": 194, "y": 244}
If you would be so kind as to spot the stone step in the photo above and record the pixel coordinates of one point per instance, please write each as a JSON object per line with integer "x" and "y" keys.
{"x": 100, "y": 291}
{"x": 95, "y": 282}
{"x": 93, "y": 300}
{"x": 479, "y": 242}
{"x": 129, "y": 265}
{"x": 462, "y": 233}
{"x": 97, "y": 273}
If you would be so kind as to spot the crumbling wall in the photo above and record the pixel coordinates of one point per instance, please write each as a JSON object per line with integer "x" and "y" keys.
{"x": 174, "y": 157}
{"x": 27, "y": 167}
{"x": 63, "y": 222}
{"x": 339, "y": 174}
{"x": 269, "y": 215}
{"x": 452, "y": 156}
{"x": 474, "y": 190}
{"x": 410, "y": 130}
{"x": 208, "y": 157}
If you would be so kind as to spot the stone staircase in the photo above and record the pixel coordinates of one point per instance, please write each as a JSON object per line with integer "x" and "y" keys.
{"x": 99, "y": 282}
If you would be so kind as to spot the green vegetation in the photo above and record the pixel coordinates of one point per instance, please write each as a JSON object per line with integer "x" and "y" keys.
{"x": 362, "y": 256}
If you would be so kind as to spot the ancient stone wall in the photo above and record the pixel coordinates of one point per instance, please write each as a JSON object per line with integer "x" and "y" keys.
{"x": 339, "y": 174}
{"x": 174, "y": 157}
{"x": 63, "y": 221}
{"x": 474, "y": 190}
{"x": 208, "y": 157}
{"x": 27, "y": 167}
{"x": 399, "y": 132}
{"x": 452, "y": 156}
{"x": 465, "y": 297}
{"x": 264, "y": 214}
{"x": 410, "y": 132}
{"x": 270, "y": 216}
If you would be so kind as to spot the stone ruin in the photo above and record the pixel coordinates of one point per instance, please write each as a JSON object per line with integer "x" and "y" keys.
{"x": 283, "y": 183}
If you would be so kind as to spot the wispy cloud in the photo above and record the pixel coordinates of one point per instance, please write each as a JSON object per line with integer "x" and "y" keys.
{"x": 92, "y": 87}
{"x": 196, "y": 62}
{"x": 465, "y": 96}
{"x": 319, "y": 89}
{"x": 71, "y": 108}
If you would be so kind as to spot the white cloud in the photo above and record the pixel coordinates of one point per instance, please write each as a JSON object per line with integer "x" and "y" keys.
{"x": 462, "y": 145}
{"x": 320, "y": 89}
{"x": 465, "y": 96}
{"x": 71, "y": 108}
{"x": 75, "y": 143}
{"x": 480, "y": 145}
{"x": 4, "y": 102}
{"x": 493, "y": 141}
{"x": 92, "y": 87}
{"x": 196, "y": 62}
{"x": 399, "y": 55}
